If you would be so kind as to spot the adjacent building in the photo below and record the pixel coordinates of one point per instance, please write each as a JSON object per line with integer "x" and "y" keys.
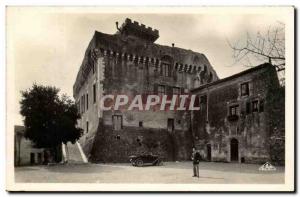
{"x": 239, "y": 115}
{"x": 24, "y": 152}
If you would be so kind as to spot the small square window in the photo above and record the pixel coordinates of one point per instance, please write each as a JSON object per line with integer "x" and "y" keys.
{"x": 233, "y": 110}
{"x": 140, "y": 123}
{"x": 176, "y": 91}
{"x": 161, "y": 90}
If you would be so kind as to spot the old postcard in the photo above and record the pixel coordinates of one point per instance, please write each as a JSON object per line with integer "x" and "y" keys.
{"x": 150, "y": 98}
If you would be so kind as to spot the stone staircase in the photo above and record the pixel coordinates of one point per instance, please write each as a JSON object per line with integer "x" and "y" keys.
{"x": 75, "y": 156}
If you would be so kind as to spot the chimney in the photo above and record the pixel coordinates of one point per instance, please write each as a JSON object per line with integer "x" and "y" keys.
{"x": 117, "y": 25}
{"x": 173, "y": 44}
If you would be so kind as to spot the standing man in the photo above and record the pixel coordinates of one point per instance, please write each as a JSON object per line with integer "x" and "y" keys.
{"x": 196, "y": 159}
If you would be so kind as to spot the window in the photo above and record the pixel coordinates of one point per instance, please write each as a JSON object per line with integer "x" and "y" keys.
{"x": 161, "y": 90}
{"x": 203, "y": 101}
{"x": 87, "y": 126}
{"x": 87, "y": 101}
{"x": 233, "y": 110}
{"x": 261, "y": 106}
{"x": 32, "y": 158}
{"x": 82, "y": 104}
{"x": 94, "y": 93}
{"x": 176, "y": 91}
{"x": 78, "y": 105}
{"x": 197, "y": 101}
{"x": 165, "y": 70}
{"x": 117, "y": 122}
{"x": 170, "y": 125}
{"x": 140, "y": 123}
{"x": 244, "y": 89}
{"x": 255, "y": 106}
{"x": 248, "y": 108}
{"x": 39, "y": 158}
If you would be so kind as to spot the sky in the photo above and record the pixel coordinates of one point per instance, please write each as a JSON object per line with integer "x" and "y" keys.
{"x": 46, "y": 46}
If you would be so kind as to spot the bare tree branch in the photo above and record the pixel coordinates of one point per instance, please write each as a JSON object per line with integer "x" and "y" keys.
{"x": 262, "y": 47}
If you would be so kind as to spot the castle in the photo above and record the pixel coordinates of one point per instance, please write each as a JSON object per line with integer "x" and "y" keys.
{"x": 130, "y": 63}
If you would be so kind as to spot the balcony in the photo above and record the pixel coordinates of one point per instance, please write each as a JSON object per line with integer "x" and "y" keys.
{"x": 233, "y": 118}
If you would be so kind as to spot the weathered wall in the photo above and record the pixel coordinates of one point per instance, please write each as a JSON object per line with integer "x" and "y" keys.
{"x": 93, "y": 112}
{"x": 250, "y": 129}
{"x": 130, "y": 78}
{"x": 130, "y": 66}
{"x": 23, "y": 150}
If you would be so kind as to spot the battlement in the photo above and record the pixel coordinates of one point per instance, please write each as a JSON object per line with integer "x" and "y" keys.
{"x": 139, "y": 30}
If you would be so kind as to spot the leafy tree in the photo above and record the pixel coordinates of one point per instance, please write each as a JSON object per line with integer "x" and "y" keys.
{"x": 49, "y": 119}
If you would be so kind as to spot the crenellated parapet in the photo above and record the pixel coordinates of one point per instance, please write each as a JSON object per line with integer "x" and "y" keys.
{"x": 138, "y": 30}
{"x": 180, "y": 67}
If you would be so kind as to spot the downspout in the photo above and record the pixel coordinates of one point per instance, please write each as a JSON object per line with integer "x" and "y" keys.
{"x": 207, "y": 122}
{"x": 207, "y": 105}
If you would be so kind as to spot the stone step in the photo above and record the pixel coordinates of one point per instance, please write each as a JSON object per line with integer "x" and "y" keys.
{"x": 74, "y": 153}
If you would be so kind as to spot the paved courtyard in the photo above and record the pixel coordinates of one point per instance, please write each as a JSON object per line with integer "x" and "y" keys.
{"x": 170, "y": 172}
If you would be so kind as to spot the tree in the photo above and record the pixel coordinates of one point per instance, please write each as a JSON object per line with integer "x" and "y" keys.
{"x": 262, "y": 47}
{"x": 49, "y": 120}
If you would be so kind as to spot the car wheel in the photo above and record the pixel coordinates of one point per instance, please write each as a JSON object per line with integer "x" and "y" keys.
{"x": 139, "y": 163}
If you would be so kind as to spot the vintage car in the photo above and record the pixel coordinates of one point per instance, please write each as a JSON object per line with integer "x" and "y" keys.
{"x": 145, "y": 159}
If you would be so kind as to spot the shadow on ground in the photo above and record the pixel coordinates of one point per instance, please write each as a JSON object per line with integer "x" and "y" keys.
{"x": 223, "y": 167}
{"x": 82, "y": 168}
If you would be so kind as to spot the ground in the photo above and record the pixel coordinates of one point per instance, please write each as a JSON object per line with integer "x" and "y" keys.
{"x": 170, "y": 172}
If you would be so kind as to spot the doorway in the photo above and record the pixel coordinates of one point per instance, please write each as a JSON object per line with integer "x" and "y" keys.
{"x": 170, "y": 129}
{"x": 208, "y": 152}
{"x": 32, "y": 159}
{"x": 234, "y": 150}
{"x": 170, "y": 125}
